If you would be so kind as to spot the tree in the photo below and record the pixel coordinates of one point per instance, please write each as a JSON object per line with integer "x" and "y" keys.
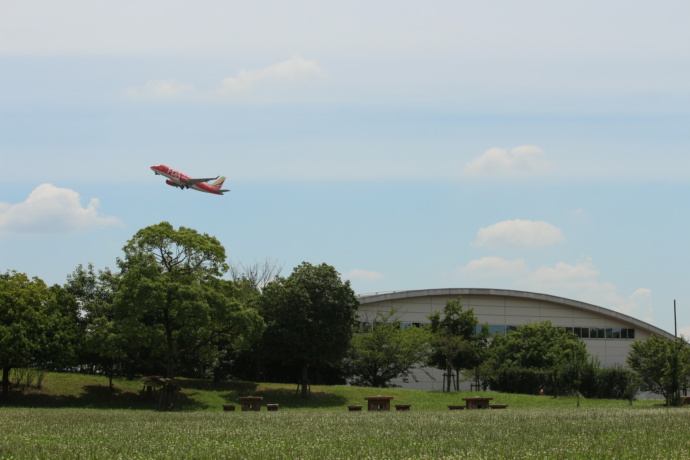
{"x": 171, "y": 301}
{"x": 103, "y": 348}
{"x": 256, "y": 275}
{"x": 456, "y": 344}
{"x": 385, "y": 351}
{"x": 539, "y": 349}
{"x": 310, "y": 317}
{"x": 662, "y": 364}
{"x": 37, "y": 325}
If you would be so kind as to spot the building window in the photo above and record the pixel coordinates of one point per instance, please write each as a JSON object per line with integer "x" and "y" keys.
{"x": 497, "y": 330}
{"x": 627, "y": 333}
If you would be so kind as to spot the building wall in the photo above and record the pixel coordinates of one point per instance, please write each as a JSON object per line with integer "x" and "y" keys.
{"x": 509, "y": 308}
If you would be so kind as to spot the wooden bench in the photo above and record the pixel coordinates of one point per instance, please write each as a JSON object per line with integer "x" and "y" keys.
{"x": 354, "y": 408}
{"x": 272, "y": 407}
{"x": 498, "y": 406}
{"x": 402, "y": 406}
{"x": 456, "y": 407}
{"x": 229, "y": 407}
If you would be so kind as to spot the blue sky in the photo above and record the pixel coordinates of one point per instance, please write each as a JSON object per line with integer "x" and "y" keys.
{"x": 536, "y": 145}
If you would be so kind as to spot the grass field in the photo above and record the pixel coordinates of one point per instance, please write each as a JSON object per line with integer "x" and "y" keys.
{"x": 521, "y": 433}
{"x": 89, "y": 391}
{"x": 77, "y": 417}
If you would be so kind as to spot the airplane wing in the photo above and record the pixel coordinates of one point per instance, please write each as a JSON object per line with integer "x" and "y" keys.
{"x": 191, "y": 182}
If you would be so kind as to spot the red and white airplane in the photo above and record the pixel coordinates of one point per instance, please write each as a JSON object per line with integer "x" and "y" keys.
{"x": 183, "y": 181}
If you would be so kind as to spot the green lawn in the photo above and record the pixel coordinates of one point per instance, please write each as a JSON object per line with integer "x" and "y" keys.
{"x": 88, "y": 391}
{"x": 76, "y": 416}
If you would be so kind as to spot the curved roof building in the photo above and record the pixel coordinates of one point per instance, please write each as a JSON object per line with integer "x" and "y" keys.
{"x": 606, "y": 333}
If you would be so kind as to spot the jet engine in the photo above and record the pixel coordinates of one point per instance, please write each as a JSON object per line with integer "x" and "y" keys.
{"x": 171, "y": 183}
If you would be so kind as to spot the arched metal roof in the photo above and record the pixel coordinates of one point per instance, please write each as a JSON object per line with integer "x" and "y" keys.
{"x": 460, "y": 292}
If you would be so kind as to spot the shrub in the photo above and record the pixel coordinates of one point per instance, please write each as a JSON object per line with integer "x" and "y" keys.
{"x": 514, "y": 379}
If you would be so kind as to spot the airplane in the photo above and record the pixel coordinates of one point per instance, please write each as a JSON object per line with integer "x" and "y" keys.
{"x": 183, "y": 181}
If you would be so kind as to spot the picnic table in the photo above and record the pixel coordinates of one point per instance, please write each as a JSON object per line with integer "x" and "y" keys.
{"x": 250, "y": 403}
{"x": 477, "y": 402}
{"x": 379, "y": 403}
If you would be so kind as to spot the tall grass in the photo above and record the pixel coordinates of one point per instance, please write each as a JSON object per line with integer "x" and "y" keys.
{"x": 525, "y": 433}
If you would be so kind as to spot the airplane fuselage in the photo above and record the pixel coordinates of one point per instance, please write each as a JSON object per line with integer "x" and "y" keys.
{"x": 183, "y": 181}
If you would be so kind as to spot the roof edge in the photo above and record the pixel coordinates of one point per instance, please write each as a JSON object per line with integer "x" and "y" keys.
{"x": 395, "y": 295}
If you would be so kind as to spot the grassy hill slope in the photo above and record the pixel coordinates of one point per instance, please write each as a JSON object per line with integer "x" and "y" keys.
{"x": 91, "y": 391}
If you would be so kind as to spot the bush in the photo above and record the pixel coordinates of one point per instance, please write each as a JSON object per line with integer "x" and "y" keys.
{"x": 26, "y": 377}
{"x": 611, "y": 382}
{"x": 595, "y": 381}
{"x": 514, "y": 379}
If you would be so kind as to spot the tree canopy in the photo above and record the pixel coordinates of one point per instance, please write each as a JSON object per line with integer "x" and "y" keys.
{"x": 385, "y": 351}
{"x": 310, "y": 316}
{"x": 456, "y": 345}
{"x": 103, "y": 348}
{"x": 171, "y": 301}
{"x": 536, "y": 347}
{"x": 37, "y": 325}
{"x": 662, "y": 364}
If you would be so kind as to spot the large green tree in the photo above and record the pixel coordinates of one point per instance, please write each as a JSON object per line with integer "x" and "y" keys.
{"x": 310, "y": 317}
{"x": 37, "y": 325}
{"x": 551, "y": 351}
{"x": 456, "y": 342}
{"x": 171, "y": 301}
{"x": 662, "y": 364}
{"x": 385, "y": 351}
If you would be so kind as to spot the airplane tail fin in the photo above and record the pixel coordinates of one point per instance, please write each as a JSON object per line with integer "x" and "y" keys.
{"x": 218, "y": 184}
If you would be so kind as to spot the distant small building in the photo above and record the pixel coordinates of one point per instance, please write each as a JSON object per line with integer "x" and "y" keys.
{"x": 606, "y": 333}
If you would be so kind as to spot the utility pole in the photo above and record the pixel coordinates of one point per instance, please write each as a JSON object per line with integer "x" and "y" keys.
{"x": 676, "y": 360}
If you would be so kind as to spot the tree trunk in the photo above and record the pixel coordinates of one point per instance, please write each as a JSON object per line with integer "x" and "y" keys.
{"x": 6, "y": 383}
{"x": 305, "y": 381}
{"x": 169, "y": 389}
{"x": 111, "y": 371}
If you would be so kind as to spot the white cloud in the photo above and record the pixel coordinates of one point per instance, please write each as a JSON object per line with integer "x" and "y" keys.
{"x": 524, "y": 159}
{"x": 363, "y": 274}
{"x": 494, "y": 266}
{"x": 162, "y": 89}
{"x": 581, "y": 282}
{"x": 50, "y": 209}
{"x": 578, "y": 281}
{"x": 638, "y": 305}
{"x": 519, "y": 233}
{"x": 684, "y": 332}
{"x": 290, "y": 72}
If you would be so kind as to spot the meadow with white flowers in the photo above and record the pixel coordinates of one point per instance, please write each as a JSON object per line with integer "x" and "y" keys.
{"x": 619, "y": 433}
